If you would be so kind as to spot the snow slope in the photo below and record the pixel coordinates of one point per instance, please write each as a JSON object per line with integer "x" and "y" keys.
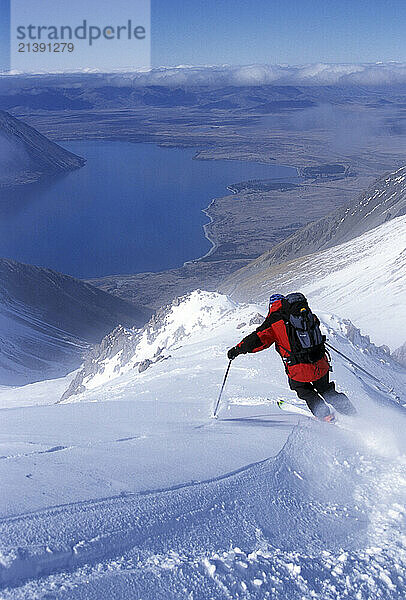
{"x": 363, "y": 280}
{"x": 48, "y": 319}
{"x": 383, "y": 201}
{"x": 130, "y": 491}
{"x": 178, "y": 339}
{"x": 324, "y": 519}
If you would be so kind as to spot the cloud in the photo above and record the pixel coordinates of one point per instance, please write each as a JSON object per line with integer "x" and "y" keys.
{"x": 321, "y": 74}
{"x": 376, "y": 74}
{"x": 347, "y": 130}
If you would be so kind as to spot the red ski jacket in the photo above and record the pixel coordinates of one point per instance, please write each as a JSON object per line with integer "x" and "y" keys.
{"x": 273, "y": 331}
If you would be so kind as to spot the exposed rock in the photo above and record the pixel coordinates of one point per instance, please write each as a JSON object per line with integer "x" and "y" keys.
{"x": 143, "y": 366}
{"x": 124, "y": 349}
{"x": 400, "y": 355}
{"x": 257, "y": 319}
{"x": 364, "y": 341}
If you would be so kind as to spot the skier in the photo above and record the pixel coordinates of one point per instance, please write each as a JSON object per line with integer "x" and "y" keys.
{"x": 295, "y": 331}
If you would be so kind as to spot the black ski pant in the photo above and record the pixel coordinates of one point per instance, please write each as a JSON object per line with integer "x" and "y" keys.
{"x": 314, "y": 392}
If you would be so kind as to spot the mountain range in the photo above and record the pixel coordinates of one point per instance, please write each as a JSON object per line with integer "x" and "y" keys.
{"x": 205, "y": 88}
{"x": 45, "y": 334}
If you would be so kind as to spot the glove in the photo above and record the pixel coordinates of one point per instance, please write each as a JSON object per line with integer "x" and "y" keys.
{"x": 233, "y": 353}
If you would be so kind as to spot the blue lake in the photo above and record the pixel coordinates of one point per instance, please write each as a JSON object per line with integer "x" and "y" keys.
{"x": 131, "y": 208}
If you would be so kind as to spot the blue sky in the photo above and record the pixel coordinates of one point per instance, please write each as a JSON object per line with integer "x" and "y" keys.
{"x": 4, "y": 33}
{"x": 264, "y": 31}
{"x": 277, "y": 31}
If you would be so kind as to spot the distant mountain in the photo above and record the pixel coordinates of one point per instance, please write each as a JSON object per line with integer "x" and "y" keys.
{"x": 27, "y": 156}
{"x": 383, "y": 201}
{"x": 198, "y": 87}
{"x": 48, "y": 319}
{"x": 92, "y": 91}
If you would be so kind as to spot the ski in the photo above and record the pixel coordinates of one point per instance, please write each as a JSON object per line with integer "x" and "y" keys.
{"x": 292, "y": 408}
{"x": 298, "y": 410}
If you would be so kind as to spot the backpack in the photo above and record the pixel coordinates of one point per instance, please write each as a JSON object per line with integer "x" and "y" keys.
{"x": 303, "y": 329}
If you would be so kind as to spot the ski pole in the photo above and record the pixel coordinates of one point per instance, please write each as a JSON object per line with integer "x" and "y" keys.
{"x": 388, "y": 389}
{"x": 221, "y": 391}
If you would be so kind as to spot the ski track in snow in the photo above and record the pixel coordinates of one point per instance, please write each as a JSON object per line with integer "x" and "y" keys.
{"x": 256, "y": 505}
{"x": 323, "y": 519}
{"x": 63, "y": 448}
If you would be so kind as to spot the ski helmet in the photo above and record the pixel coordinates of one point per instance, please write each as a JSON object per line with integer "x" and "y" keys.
{"x": 274, "y": 298}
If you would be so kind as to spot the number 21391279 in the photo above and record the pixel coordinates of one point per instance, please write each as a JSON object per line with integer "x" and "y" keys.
{"x": 46, "y": 47}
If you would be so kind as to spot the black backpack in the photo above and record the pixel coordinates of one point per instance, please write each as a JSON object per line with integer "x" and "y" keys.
{"x": 303, "y": 329}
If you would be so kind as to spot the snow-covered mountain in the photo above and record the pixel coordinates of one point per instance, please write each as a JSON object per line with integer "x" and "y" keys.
{"x": 26, "y": 155}
{"x": 400, "y": 354}
{"x": 47, "y": 320}
{"x": 124, "y": 487}
{"x": 385, "y": 200}
{"x": 128, "y": 489}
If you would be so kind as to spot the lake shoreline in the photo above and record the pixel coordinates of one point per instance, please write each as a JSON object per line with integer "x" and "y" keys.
{"x": 240, "y": 228}
{"x": 206, "y": 227}
{"x": 227, "y": 136}
{"x": 133, "y": 208}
